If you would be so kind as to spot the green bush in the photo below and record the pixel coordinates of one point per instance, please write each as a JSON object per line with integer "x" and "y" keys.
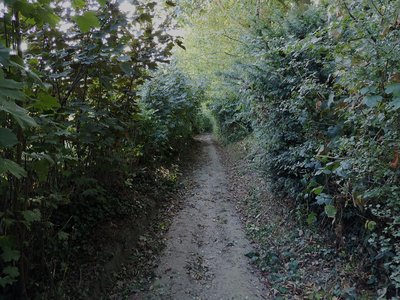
{"x": 75, "y": 132}
{"x": 204, "y": 121}
{"x": 171, "y": 102}
{"x": 322, "y": 98}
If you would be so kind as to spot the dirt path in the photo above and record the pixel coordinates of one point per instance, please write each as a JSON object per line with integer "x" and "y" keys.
{"x": 206, "y": 245}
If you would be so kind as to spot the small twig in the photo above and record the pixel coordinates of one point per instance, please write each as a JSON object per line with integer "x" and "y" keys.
{"x": 233, "y": 39}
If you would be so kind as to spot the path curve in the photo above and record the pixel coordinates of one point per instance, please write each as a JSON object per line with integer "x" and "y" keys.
{"x": 206, "y": 245}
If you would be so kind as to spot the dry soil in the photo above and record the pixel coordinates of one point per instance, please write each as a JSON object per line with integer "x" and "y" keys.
{"x": 206, "y": 244}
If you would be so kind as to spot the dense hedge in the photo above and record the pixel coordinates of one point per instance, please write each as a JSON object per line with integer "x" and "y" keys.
{"x": 324, "y": 98}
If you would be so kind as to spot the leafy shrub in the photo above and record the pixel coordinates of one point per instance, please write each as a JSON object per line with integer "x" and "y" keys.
{"x": 204, "y": 121}
{"x": 232, "y": 125}
{"x": 73, "y": 135}
{"x": 171, "y": 102}
{"x": 322, "y": 98}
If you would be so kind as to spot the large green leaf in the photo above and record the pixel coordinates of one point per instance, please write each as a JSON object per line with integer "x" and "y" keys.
{"x": 87, "y": 21}
{"x": 51, "y": 19}
{"x": 372, "y": 100}
{"x": 15, "y": 169}
{"x": 38, "y": 13}
{"x": 46, "y": 102}
{"x": 20, "y": 114}
{"x": 31, "y": 75}
{"x": 318, "y": 190}
{"x": 7, "y": 138}
{"x": 11, "y": 89}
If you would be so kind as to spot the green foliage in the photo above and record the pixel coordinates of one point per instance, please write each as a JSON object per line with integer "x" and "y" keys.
{"x": 171, "y": 102}
{"x": 7, "y": 138}
{"x": 16, "y": 170}
{"x": 204, "y": 121}
{"x": 320, "y": 92}
{"x": 74, "y": 128}
{"x": 232, "y": 118}
{"x": 87, "y": 21}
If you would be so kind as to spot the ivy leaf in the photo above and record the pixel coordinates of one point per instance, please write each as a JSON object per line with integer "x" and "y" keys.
{"x": 372, "y": 100}
{"x": 330, "y": 211}
{"x": 15, "y": 169}
{"x": 87, "y": 21}
{"x": 368, "y": 90}
{"x": 7, "y": 138}
{"x": 11, "y": 273}
{"x": 323, "y": 198}
{"x": 393, "y": 88}
{"x": 311, "y": 218}
{"x": 364, "y": 90}
{"x": 124, "y": 58}
{"x": 318, "y": 190}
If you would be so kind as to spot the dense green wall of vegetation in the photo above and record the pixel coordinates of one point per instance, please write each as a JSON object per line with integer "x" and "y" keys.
{"x": 82, "y": 110}
{"x": 318, "y": 85}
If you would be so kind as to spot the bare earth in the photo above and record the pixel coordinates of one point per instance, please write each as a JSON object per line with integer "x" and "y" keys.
{"x": 206, "y": 245}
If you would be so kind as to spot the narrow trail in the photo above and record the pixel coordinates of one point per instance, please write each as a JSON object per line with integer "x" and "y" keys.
{"x": 206, "y": 245}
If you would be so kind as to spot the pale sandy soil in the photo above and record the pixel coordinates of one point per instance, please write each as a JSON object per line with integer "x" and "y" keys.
{"x": 206, "y": 244}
